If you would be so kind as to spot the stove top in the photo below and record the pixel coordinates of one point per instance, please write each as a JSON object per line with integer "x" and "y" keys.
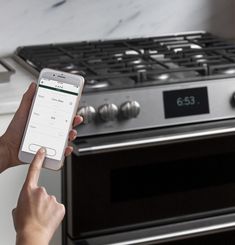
{"x": 145, "y": 83}
{"x": 127, "y": 63}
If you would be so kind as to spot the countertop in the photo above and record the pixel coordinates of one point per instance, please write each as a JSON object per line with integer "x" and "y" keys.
{"x": 12, "y": 91}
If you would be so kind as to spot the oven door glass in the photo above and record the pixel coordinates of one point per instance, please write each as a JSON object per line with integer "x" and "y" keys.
{"x": 150, "y": 186}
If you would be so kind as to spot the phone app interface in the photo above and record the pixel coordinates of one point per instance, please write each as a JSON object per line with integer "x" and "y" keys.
{"x": 50, "y": 118}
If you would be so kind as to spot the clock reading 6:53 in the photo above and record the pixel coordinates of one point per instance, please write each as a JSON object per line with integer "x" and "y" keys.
{"x": 186, "y": 101}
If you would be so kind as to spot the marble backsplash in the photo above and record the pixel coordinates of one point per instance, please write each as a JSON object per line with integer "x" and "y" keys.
{"x": 28, "y": 22}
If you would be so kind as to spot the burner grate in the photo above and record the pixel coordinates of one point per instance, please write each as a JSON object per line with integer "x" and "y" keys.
{"x": 139, "y": 61}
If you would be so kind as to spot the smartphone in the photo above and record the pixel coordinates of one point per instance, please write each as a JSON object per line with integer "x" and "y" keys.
{"x": 51, "y": 116}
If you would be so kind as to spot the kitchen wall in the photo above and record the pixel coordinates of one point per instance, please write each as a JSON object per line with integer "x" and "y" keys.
{"x": 30, "y": 22}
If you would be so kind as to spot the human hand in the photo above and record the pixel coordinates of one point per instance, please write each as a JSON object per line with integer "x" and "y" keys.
{"x": 37, "y": 214}
{"x": 11, "y": 140}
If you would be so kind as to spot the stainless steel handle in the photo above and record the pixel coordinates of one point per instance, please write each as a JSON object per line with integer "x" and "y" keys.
{"x": 171, "y": 232}
{"x": 5, "y": 71}
{"x": 8, "y": 67}
{"x": 158, "y": 139}
{"x": 177, "y": 235}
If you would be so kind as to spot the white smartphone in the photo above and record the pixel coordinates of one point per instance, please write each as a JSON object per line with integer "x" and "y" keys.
{"x": 51, "y": 116}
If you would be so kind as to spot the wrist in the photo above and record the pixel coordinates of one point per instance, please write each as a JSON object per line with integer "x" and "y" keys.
{"x": 32, "y": 237}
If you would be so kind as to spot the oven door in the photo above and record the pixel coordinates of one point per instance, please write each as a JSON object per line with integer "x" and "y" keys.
{"x": 160, "y": 179}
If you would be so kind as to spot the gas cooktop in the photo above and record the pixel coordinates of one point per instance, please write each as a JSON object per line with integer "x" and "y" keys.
{"x": 145, "y": 83}
{"x": 127, "y": 63}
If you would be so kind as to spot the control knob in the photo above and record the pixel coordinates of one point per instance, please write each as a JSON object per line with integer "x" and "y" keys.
{"x": 130, "y": 109}
{"x": 108, "y": 112}
{"x": 88, "y": 113}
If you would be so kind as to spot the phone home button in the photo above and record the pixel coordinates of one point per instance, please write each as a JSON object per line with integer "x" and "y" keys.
{"x": 35, "y": 148}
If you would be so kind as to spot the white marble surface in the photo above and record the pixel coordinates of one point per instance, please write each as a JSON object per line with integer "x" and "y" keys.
{"x": 32, "y": 22}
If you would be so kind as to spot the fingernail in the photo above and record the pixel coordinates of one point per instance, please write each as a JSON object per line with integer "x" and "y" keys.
{"x": 81, "y": 119}
{"x": 75, "y": 135}
{"x": 30, "y": 86}
{"x": 33, "y": 84}
{"x": 42, "y": 150}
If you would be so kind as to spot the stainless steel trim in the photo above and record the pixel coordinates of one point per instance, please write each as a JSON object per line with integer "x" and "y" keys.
{"x": 166, "y": 233}
{"x": 158, "y": 139}
{"x": 6, "y": 73}
{"x": 24, "y": 64}
{"x": 175, "y": 235}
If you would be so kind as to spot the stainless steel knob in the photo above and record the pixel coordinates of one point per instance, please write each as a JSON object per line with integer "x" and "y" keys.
{"x": 130, "y": 109}
{"x": 108, "y": 112}
{"x": 88, "y": 113}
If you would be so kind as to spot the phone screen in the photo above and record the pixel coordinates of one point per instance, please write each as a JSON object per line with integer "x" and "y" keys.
{"x": 50, "y": 118}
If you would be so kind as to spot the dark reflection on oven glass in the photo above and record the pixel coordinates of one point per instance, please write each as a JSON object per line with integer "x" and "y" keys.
{"x": 156, "y": 180}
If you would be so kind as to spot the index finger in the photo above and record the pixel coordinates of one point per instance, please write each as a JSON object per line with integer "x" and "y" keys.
{"x": 35, "y": 168}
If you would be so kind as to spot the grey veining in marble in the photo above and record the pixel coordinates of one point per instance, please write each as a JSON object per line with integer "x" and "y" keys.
{"x": 33, "y": 22}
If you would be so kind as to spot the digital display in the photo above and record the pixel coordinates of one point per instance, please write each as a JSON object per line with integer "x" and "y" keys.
{"x": 185, "y": 102}
{"x": 50, "y": 118}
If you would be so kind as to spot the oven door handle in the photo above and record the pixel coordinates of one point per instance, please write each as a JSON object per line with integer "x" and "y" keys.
{"x": 167, "y": 233}
{"x": 157, "y": 140}
{"x": 174, "y": 236}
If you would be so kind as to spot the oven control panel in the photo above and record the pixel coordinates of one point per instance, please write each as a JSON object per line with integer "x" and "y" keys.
{"x": 157, "y": 106}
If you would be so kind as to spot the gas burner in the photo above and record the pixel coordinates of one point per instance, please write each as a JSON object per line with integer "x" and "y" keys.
{"x": 173, "y": 77}
{"x": 94, "y": 84}
{"x": 135, "y": 62}
{"x": 74, "y": 69}
{"x": 70, "y": 67}
{"x": 181, "y": 46}
{"x": 111, "y": 83}
{"x": 198, "y": 56}
{"x": 160, "y": 78}
{"x": 225, "y": 71}
{"x": 229, "y": 71}
{"x": 163, "y": 77}
{"x": 131, "y": 52}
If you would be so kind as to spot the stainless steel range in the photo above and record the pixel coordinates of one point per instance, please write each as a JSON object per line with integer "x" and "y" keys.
{"x": 136, "y": 84}
{"x": 155, "y": 158}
